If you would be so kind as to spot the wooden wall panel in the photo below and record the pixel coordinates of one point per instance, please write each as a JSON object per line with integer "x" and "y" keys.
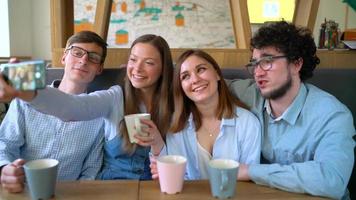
{"x": 62, "y": 22}
{"x": 241, "y": 23}
{"x": 62, "y": 26}
{"x": 231, "y": 58}
{"x": 102, "y": 17}
{"x": 305, "y": 13}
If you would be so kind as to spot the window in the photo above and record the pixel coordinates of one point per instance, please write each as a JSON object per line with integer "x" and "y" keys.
{"x": 261, "y": 11}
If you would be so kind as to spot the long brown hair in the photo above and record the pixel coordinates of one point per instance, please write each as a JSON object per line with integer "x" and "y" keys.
{"x": 183, "y": 106}
{"x": 162, "y": 104}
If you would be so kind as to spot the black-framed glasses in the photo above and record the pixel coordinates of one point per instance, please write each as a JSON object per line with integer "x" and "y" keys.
{"x": 80, "y": 52}
{"x": 265, "y": 63}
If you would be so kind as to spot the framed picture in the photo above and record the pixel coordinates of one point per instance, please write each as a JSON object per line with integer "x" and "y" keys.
{"x": 184, "y": 24}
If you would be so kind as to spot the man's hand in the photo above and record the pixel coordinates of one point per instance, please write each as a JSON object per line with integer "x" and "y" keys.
{"x": 243, "y": 173}
{"x": 13, "y": 176}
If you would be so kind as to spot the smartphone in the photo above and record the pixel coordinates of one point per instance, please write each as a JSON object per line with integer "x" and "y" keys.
{"x": 29, "y": 75}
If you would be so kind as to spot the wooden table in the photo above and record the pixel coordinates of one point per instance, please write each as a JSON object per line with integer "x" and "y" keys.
{"x": 87, "y": 190}
{"x": 200, "y": 190}
{"x": 147, "y": 190}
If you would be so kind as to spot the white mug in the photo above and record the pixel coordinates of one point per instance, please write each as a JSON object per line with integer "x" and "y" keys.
{"x": 134, "y": 124}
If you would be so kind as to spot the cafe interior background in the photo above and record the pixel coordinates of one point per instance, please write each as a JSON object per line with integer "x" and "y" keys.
{"x": 26, "y": 25}
{"x": 36, "y": 29}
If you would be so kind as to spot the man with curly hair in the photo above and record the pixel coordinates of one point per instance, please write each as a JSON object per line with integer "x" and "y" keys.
{"x": 307, "y": 144}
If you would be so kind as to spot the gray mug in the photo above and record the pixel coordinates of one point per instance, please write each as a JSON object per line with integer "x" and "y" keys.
{"x": 222, "y": 177}
{"x": 41, "y": 178}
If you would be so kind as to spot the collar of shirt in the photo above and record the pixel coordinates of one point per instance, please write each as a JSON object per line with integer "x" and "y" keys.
{"x": 55, "y": 83}
{"x": 224, "y": 122}
{"x": 291, "y": 114}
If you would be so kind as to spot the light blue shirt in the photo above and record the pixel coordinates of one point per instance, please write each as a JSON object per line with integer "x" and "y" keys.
{"x": 309, "y": 149}
{"x": 108, "y": 104}
{"x": 239, "y": 139}
{"x": 28, "y": 134}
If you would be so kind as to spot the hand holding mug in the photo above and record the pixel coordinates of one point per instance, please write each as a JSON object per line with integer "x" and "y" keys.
{"x": 13, "y": 176}
{"x": 150, "y": 136}
{"x": 134, "y": 125}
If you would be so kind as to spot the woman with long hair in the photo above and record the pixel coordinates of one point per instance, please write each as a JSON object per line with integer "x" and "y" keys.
{"x": 147, "y": 89}
{"x": 208, "y": 122}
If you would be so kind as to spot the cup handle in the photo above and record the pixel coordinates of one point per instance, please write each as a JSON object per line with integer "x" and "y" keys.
{"x": 224, "y": 180}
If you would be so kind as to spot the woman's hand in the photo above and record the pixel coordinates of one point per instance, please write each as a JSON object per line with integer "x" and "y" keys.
{"x": 7, "y": 92}
{"x": 153, "y": 167}
{"x": 150, "y": 136}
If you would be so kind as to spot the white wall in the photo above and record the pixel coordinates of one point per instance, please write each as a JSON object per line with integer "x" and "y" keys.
{"x": 20, "y": 27}
{"x": 25, "y": 28}
{"x": 41, "y": 31}
{"x": 4, "y": 35}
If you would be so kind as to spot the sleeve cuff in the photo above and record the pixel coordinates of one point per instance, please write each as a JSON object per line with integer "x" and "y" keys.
{"x": 259, "y": 173}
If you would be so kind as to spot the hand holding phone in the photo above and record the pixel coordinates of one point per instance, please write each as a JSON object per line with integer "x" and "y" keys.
{"x": 29, "y": 75}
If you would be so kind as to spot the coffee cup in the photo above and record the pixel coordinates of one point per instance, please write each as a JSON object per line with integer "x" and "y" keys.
{"x": 41, "y": 178}
{"x": 134, "y": 124}
{"x": 222, "y": 177}
{"x": 171, "y": 170}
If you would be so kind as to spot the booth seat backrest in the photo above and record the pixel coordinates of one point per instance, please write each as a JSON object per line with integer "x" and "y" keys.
{"x": 339, "y": 82}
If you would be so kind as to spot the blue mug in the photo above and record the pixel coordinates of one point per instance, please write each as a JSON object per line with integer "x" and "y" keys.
{"x": 41, "y": 177}
{"x": 222, "y": 177}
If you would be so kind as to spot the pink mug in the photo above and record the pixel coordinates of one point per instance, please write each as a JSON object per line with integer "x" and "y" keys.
{"x": 171, "y": 170}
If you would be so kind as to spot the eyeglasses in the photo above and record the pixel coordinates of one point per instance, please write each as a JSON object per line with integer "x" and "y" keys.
{"x": 80, "y": 52}
{"x": 265, "y": 63}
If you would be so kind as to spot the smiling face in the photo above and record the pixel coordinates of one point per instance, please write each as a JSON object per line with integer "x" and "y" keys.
{"x": 199, "y": 80}
{"x": 81, "y": 70}
{"x": 277, "y": 81}
{"x": 144, "y": 67}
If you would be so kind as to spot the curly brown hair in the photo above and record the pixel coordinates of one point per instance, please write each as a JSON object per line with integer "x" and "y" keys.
{"x": 295, "y": 42}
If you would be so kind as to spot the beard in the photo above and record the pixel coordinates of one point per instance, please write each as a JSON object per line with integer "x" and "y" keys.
{"x": 280, "y": 91}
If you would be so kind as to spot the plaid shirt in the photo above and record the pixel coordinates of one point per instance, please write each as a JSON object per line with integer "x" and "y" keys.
{"x": 28, "y": 134}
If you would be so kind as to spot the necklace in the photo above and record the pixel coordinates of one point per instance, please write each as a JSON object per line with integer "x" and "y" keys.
{"x": 213, "y": 131}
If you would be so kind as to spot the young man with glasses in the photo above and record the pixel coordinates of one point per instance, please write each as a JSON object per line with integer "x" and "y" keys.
{"x": 26, "y": 134}
{"x": 307, "y": 144}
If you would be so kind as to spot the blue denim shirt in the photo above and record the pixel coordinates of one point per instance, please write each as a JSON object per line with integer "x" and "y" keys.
{"x": 120, "y": 165}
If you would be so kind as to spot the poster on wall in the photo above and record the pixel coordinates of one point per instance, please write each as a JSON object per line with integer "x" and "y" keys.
{"x": 184, "y": 24}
